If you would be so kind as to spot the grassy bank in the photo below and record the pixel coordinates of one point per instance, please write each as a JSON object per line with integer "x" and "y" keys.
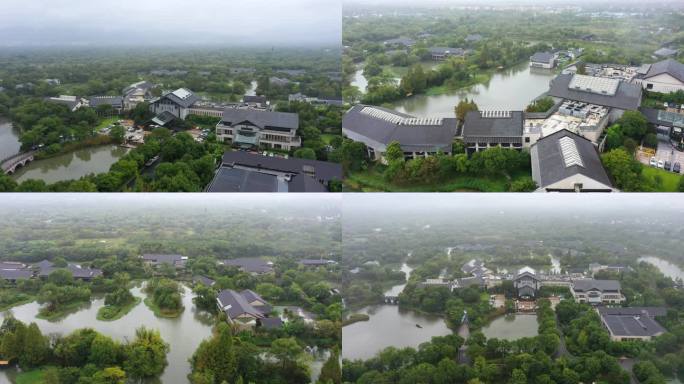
{"x": 355, "y": 318}
{"x": 62, "y": 312}
{"x": 111, "y": 313}
{"x": 663, "y": 180}
{"x": 162, "y": 312}
{"x": 36, "y": 376}
{"x": 24, "y": 300}
{"x": 372, "y": 180}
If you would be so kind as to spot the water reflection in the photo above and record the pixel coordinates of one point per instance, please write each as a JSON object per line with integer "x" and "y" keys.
{"x": 73, "y": 165}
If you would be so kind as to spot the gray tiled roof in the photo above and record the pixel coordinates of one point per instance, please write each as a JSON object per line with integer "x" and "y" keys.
{"x": 447, "y": 50}
{"x": 241, "y": 180}
{"x": 584, "y": 285}
{"x": 413, "y": 138}
{"x": 647, "y": 311}
{"x": 548, "y": 164}
{"x": 629, "y": 323}
{"x": 186, "y": 102}
{"x": 261, "y": 119}
{"x": 254, "y": 99}
{"x": 542, "y": 57}
{"x": 15, "y": 274}
{"x": 271, "y": 322}
{"x": 324, "y": 170}
{"x": 11, "y": 265}
{"x": 234, "y": 304}
{"x": 250, "y": 296}
{"x": 315, "y": 262}
{"x": 162, "y": 258}
{"x": 476, "y": 126}
{"x": 204, "y": 280}
{"x": 627, "y": 96}
{"x": 250, "y": 264}
{"x": 670, "y": 66}
{"x": 114, "y": 101}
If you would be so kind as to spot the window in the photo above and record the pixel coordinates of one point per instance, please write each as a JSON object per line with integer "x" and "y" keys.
{"x": 527, "y": 139}
{"x": 649, "y": 86}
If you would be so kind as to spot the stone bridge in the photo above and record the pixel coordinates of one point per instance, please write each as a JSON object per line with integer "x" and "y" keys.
{"x": 12, "y": 163}
{"x": 391, "y": 299}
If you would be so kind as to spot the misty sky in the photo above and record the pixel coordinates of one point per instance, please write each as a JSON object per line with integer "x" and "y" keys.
{"x": 479, "y": 204}
{"x": 170, "y": 22}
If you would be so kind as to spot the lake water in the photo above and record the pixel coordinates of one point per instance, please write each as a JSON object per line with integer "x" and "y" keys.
{"x": 9, "y": 139}
{"x": 512, "y": 327}
{"x": 183, "y": 333}
{"x": 389, "y": 326}
{"x": 73, "y": 165}
{"x": 511, "y": 89}
{"x": 667, "y": 268}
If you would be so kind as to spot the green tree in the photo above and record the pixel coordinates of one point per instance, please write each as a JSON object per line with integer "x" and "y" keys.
{"x": 394, "y": 152}
{"x": 146, "y": 355}
{"x": 331, "y": 371}
{"x": 117, "y": 133}
{"x": 625, "y": 171}
{"x": 7, "y": 184}
{"x": 634, "y": 124}
{"x": 305, "y": 153}
{"x": 464, "y": 106}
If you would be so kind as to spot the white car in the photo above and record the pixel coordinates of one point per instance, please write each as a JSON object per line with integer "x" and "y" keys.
{"x": 654, "y": 162}
{"x": 661, "y": 164}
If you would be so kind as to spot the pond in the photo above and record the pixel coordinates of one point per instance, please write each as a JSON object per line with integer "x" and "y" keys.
{"x": 9, "y": 139}
{"x": 668, "y": 269}
{"x": 183, "y": 333}
{"x": 390, "y": 326}
{"x": 72, "y": 165}
{"x": 511, "y": 89}
{"x": 512, "y": 327}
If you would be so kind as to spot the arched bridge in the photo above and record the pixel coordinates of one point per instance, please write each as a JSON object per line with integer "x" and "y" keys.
{"x": 391, "y": 299}
{"x": 10, "y": 164}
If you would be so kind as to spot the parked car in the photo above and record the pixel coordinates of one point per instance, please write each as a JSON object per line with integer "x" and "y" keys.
{"x": 668, "y": 165}
{"x": 660, "y": 164}
{"x": 654, "y": 162}
{"x": 676, "y": 168}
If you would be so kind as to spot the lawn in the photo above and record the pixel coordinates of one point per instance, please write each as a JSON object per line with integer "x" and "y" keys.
{"x": 327, "y": 137}
{"x": 31, "y": 377}
{"x": 371, "y": 180}
{"x": 107, "y": 122}
{"x": 669, "y": 182}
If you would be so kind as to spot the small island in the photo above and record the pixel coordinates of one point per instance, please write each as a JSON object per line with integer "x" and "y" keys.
{"x": 164, "y": 297}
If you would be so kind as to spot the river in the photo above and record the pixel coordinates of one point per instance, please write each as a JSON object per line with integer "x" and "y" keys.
{"x": 183, "y": 333}
{"x": 72, "y": 165}
{"x": 9, "y": 139}
{"x": 511, "y": 89}
{"x": 668, "y": 269}
{"x": 389, "y": 326}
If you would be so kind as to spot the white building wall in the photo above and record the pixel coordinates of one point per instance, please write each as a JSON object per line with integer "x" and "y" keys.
{"x": 663, "y": 83}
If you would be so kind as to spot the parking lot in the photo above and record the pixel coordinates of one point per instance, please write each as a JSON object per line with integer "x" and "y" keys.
{"x": 663, "y": 153}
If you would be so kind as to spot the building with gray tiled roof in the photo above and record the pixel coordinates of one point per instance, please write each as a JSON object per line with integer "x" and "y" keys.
{"x": 546, "y": 60}
{"x": 595, "y": 292}
{"x": 612, "y": 93}
{"x": 250, "y": 128}
{"x": 567, "y": 162}
{"x": 664, "y": 76}
{"x": 487, "y": 129}
{"x": 635, "y": 323}
{"x": 242, "y": 308}
{"x": 377, "y": 127}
